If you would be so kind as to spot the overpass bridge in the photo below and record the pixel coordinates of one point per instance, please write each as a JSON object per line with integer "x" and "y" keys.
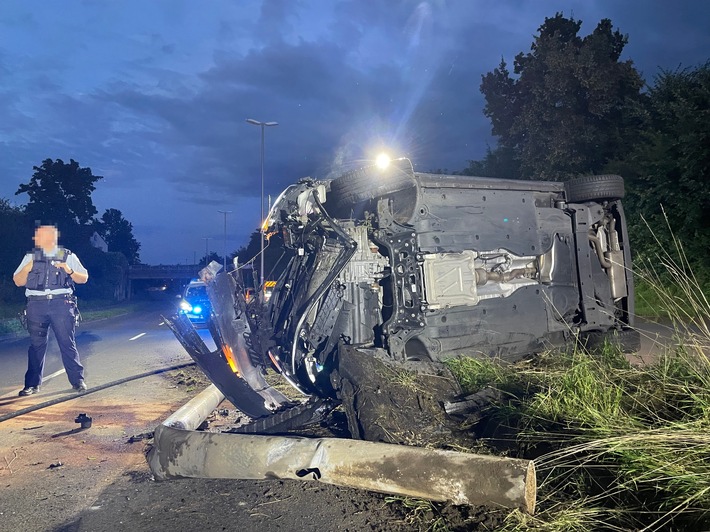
{"x": 163, "y": 271}
{"x": 143, "y": 277}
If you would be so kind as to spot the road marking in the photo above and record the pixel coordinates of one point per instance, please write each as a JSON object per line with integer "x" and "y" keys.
{"x": 55, "y": 374}
{"x": 137, "y": 336}
{"x": 44, "y": 380}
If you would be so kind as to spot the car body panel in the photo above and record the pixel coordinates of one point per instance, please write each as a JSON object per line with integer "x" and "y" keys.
{"x": 417, "y": 268}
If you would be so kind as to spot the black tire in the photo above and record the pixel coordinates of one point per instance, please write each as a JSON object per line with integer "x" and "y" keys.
{"x": 595, "y": 188}
{"x": 627, "y": 340}
{"x": 369, "y": 183}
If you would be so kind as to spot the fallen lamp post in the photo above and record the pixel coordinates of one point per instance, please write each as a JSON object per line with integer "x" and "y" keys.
{"x": 179, "y": 451}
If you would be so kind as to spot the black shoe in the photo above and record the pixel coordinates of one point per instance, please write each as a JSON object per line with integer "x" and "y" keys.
{"x": 81, "y": 387}
{"x": 28, "y": 390}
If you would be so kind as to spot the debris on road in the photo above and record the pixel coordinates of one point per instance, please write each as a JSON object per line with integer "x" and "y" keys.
{"x": 84, "y": 420}
{"x": 140, "y": 437}
{"x": 8, "y": 463}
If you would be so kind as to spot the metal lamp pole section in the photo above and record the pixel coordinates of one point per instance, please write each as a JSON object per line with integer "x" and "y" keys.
{"x": 225, "y": 237}
{"x": 263, "y": 125}
{"x": 207, "y": 248}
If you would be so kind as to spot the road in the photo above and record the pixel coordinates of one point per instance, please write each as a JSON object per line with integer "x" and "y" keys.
{"x": 33, "y": 494}
{"x": 103, "y": 482}
{"x": 109, "y": 349}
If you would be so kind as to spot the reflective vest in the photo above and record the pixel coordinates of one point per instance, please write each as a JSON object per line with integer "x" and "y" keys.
{"x": 44, "y": 275}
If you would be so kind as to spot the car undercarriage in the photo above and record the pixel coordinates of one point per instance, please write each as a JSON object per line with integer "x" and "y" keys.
{"x": 411, "y": 269}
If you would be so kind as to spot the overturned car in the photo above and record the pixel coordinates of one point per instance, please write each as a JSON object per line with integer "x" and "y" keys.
{"x": 410, "y": 269}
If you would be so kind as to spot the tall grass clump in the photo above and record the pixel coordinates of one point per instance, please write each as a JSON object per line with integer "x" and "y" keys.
{"x": 669, "y": 282}
{"x": 616, "y": 446}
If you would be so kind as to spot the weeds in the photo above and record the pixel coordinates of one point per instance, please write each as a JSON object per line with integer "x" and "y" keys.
{"x": 420, "y": 514}
{"x": 616, "y": 447}
{"x": 90, "y": 311}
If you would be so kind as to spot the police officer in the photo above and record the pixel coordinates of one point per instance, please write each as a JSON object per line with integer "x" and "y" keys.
{"x": 48, "y": 274}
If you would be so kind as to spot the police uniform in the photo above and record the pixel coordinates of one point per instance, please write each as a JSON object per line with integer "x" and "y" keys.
{"x": 51, "y": 302}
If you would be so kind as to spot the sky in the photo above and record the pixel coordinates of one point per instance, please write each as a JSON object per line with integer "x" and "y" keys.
{"x": 153, "y": 95}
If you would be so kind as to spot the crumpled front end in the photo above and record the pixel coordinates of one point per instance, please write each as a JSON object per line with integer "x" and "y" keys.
{"x": 230, "y": 366}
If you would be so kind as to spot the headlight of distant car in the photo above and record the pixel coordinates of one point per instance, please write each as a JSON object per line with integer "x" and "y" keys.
{"x": 184, "y": 305}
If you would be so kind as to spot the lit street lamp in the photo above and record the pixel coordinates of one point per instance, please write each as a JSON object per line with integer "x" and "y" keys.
{"x": 261, "y": 223}
{"x": 225, "y": 237}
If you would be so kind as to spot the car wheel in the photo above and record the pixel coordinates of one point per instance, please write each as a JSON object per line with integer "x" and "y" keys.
{"x": 627, "y": 340}
{"x": 595, "y": 187}
{"x": 368, "y": 183}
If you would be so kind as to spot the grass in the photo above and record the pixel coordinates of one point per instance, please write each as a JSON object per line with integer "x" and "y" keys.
{"x": 420, "y": 514}
{"x": 666, "y": 285}
{"x": 616, "y": 447}
{"x": 90, "y": 311}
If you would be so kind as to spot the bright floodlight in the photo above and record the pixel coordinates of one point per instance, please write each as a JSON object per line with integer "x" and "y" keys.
{"x": 382, "y": 161}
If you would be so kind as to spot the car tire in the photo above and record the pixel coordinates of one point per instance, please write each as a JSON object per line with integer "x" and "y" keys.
{"x": 595, "y": 188}
{"x": 627, "y": 340}
{"x": 369, "y": 183}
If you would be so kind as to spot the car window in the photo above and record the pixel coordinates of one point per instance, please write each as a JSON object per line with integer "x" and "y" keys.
{"x": 196, "y": 291}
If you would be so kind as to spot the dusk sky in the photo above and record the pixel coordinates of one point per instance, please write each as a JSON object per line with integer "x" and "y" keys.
{"x": 154, "y": 94}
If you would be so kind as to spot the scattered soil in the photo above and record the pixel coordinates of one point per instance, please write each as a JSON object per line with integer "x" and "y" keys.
{"x": 391, "y": 404}
{"x": 190, "y": 378}
{"x": 380, "y": 403}
{"x": 55, "y": 476}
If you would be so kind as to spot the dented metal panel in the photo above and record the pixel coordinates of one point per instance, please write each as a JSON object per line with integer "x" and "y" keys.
{"x": 216, "y": 367}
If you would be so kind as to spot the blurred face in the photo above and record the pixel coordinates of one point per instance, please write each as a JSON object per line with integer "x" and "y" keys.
{"x": 46, "y": 237}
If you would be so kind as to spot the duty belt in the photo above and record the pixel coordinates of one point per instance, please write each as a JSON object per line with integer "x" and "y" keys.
{"x": 49, "y": 296}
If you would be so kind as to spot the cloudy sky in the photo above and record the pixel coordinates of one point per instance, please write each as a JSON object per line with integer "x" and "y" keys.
{"x": 154, "y": 94}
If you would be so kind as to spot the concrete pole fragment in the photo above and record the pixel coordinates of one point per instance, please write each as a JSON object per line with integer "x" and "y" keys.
{"x": 438, "y": 475}
{"x": 194, "y": 412}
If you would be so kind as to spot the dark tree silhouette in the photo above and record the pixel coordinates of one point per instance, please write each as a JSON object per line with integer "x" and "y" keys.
{"x": 572, "y": 106}
{"x": 118, "y": 234}
{"x": 61, "y": 192}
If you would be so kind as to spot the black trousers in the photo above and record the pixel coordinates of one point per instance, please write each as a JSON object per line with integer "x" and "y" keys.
{"x": 59, "y": 313}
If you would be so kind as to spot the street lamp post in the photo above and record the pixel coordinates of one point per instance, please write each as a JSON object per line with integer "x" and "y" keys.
{"x": 207, "y": 248}
{"x": 263, "y": 125}
{"x": 225, "y": 237}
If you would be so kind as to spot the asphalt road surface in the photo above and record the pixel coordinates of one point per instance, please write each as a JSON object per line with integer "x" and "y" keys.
{"x": 109, "y": 349}
{"x": 56, "y": 476}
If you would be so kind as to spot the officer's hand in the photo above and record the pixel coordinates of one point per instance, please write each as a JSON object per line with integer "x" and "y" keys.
{"x": 63, "y": 266}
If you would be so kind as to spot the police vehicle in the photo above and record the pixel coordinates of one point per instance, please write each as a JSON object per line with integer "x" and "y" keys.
{"x": 195, "y": 304}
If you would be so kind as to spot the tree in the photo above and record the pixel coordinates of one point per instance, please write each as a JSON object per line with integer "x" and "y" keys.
{"x": 276, "y": 255}
{"x": 500, "y": 162}
{"x": 213, "y": 256}
{"x": 573, "y": 107}
{"x": 61, "y": 193}
{"x": 16, "y": 238}
{"x": 672, "y": 166}
{"x": 118, "y": 234}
